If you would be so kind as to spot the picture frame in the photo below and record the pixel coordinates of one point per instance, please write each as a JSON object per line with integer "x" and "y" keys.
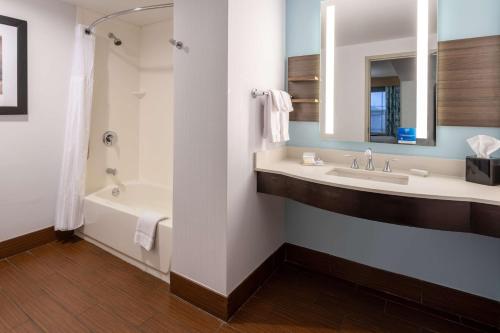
{"x": 13, "y": 66}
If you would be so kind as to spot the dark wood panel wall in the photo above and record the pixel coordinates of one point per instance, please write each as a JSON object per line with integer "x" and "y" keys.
{"x": 435, "y": 214}
{"x": 469, "y": 82}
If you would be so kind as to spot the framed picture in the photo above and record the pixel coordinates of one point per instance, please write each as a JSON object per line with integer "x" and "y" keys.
{"x": 13, "y": 66}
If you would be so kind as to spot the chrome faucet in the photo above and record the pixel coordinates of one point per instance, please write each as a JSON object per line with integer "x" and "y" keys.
{"x": 369, "y": 164}
{"x": 354, "y": 164}
{"x": 111, "y": 171}
{"x": 387, "y": 166}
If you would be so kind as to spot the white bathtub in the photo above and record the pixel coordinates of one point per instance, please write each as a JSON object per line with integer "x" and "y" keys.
{"x": 110, "y": 223}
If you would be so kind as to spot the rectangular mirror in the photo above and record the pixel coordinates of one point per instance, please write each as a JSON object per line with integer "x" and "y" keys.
{"x": 378, "y": 71}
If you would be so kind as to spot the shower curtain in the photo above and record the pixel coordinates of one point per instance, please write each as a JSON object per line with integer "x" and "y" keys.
{"x": 69, "y": 211}
{"x": 393, "y": 115}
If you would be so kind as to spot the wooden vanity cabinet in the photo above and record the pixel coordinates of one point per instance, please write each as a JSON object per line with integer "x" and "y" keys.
{"x": 461, "y": 216}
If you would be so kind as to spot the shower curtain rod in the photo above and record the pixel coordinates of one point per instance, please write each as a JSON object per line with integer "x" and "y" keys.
{"x": 90, "y": 28}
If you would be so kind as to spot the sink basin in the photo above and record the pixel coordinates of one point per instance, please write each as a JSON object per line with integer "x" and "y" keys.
{"x": 378, "y": 176}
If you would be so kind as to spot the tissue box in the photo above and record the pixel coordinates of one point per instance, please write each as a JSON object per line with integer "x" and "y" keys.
{"x": 484, "y": 171}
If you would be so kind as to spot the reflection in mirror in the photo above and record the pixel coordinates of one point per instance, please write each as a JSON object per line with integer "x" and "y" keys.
{"x": 392, "y": 98}
{"x": 378, "y": 63}
{"x": 393, "y": 90}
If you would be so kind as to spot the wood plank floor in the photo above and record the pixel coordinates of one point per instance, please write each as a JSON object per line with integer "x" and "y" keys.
{"x": 77, "y": 287}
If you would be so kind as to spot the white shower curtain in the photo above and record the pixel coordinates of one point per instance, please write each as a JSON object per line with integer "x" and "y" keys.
{"x": 69, "y": 211}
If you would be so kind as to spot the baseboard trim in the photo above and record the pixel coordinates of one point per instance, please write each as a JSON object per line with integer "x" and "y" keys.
{"x": 455, "y": 305}
{"x": 201, "y": 296}
{"x": 255, "y": 280}
{"x": 219, "y": 305}
{"x": 464, "y": 307}
{"x": 29, "y": 241}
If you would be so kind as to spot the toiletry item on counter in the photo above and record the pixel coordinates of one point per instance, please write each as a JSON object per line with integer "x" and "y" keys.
{"x": 481, "y": 168}
{"x": 485, "y": 171}
{"x": 311, "y": 159}
{"x": 420, "y": 172}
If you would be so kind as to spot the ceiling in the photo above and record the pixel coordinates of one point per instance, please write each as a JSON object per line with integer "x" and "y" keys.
{"x": 143, "y": 18}
{"x": 404, "y": 68}
{"x": 364, "y": 21}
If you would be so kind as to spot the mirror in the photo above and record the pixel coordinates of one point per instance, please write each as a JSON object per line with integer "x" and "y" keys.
{"x": 378, "y": 71}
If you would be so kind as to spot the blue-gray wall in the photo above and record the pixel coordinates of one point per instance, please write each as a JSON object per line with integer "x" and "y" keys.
{"x": 466, "y": 262}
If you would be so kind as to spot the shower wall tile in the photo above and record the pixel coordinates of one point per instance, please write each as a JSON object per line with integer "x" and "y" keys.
{"x": 114, "y": 106}
{"x": 156, "y": 107}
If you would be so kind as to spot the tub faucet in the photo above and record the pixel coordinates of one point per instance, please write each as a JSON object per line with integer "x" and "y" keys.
{"x": 115, "y": 191}
{"x": 369, "y": 164}
{"x": 111, "y": 171}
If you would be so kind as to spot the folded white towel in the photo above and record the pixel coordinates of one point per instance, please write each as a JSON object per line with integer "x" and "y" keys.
{"x": 285, "y": 115}
{"x": 276, "y": 116}
{"x": 272, "y": 127}
{"x": 145, "y": 231}
{"x": 287, "y": 101}
{"x": 282, "y": 100}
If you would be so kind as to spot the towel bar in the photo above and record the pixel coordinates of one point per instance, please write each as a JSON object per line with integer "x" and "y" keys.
{"x": 256, "y": 93}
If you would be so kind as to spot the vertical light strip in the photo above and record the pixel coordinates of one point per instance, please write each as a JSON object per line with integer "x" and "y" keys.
{"x": 422, "y": 67}
{"x": 329, "y": 70}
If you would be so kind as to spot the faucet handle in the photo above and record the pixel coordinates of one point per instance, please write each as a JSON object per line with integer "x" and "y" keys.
{"x": 354, "y": 164}
{"x": 111, "y": 171}
{"x": 387, "y": 166}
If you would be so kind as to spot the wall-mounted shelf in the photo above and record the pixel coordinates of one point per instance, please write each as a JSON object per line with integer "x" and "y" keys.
{"x": 305, "y": 100}
{"x": 305, "y": 78}
{"x": 303, "y": 85}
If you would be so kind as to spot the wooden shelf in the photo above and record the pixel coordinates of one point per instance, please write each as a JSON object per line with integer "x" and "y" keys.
{"x": 303, "y": 78}
{"x": 303, "y": 84}
{"x": 305, "y": 100}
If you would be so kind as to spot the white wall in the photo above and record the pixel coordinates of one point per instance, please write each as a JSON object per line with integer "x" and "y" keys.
{"x": 156, "y": 107}
{"x": 31, "y": 147}
{"x": 462, "y": 261}
{"x": 116, "y": 76}
{"x": 200, "y": 142}
{"x": 222, "y": 228}
{"x": 256, "y": 60}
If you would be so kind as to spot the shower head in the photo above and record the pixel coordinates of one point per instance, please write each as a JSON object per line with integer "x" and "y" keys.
{"x": 117, "y": 41}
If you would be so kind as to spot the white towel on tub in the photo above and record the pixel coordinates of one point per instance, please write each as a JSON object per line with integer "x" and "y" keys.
{"x": 145, "y": 231}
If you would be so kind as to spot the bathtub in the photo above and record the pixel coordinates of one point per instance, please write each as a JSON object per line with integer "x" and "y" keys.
{"x": 110, "y": 223}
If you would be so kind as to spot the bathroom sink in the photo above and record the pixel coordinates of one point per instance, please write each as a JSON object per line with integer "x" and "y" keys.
{"x": 378, "y": 176}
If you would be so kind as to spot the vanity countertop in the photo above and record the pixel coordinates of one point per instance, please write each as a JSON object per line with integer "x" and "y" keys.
{"x": 436, "y": 186}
